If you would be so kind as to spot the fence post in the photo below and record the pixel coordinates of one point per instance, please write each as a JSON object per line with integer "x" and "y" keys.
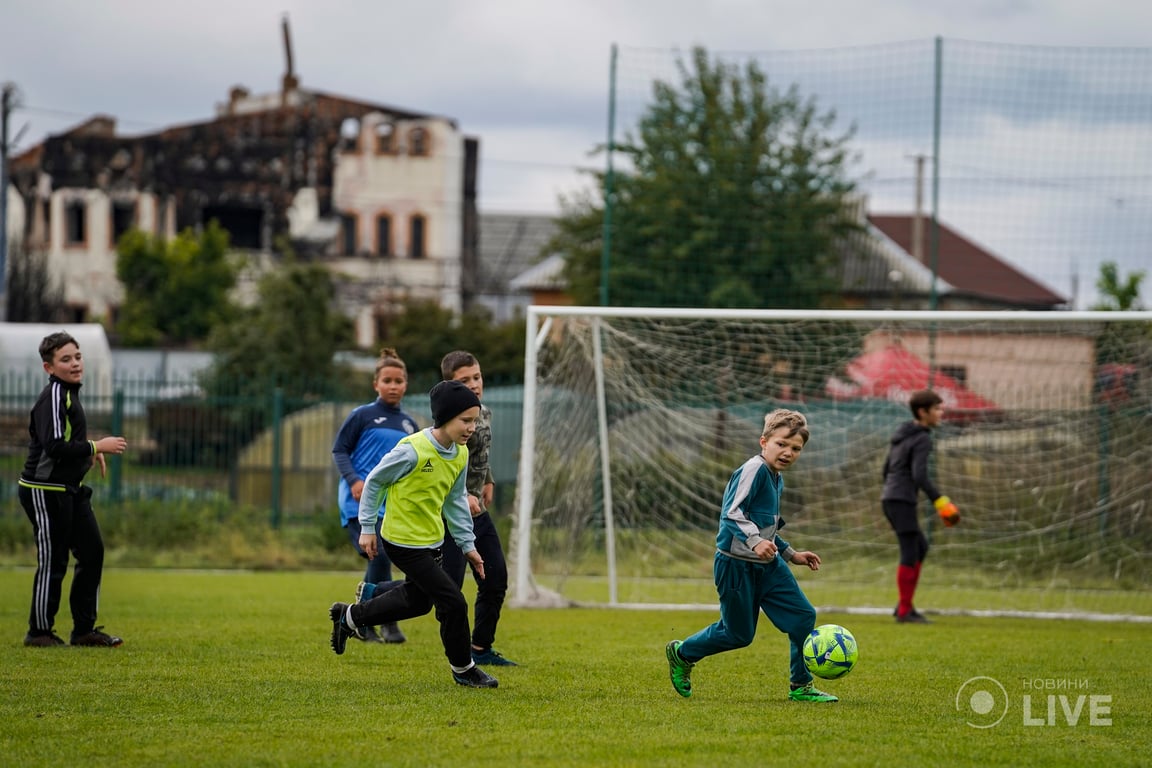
{"x": 277, "y": 439}
{"x": 115, "y": 471}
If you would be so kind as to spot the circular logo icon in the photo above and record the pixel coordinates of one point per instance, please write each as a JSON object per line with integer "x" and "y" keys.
{"x": 983, "y": 700}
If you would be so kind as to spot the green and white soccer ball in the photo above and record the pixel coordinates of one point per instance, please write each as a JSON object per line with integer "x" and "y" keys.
{"x": 830, "y": 651}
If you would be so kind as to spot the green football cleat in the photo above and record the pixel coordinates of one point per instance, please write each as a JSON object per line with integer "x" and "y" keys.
{"x": 810, "y": 692}
{"x": 679, "y": 670}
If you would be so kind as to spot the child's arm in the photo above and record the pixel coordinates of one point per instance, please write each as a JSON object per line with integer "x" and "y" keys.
{"x": 344, "y": 445}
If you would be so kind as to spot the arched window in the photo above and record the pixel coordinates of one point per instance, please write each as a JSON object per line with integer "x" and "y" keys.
{"x": 416, "y": 237}
{"x": 350, "y": 135}
{"x": 418, "y": 142}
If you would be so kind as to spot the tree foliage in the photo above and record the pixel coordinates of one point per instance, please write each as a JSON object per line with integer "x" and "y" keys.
{"x": 287, "y": 339}
{"x": 734, "y": 195}
{"x": 176, "y": 290}
{"x": 1116, "y": 292}
{"x": 32, "y": 295}
{"x": 422, "y": 332}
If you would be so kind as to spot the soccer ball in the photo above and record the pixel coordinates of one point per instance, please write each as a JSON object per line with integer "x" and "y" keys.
{"x": 830, "y": 651}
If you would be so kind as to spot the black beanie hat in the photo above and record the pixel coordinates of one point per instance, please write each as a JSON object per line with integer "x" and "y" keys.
{"x": 449, "y": 399}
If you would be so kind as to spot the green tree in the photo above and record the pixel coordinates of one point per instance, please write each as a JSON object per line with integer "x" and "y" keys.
{"x": 1117, "y": 293}
{"x": 734, "y": 195}
{"x": 423, "y": 332}
{"x": 33, "y": 296}
{"x": 175, "y": 291}
{"x": 287, "y": 339}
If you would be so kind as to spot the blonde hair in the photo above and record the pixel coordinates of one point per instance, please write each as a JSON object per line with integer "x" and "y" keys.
{"x": 390, "y": 358}
{"x": 782, "y": 418}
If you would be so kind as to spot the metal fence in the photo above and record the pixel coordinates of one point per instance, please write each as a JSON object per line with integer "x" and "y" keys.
{"x": 272, "y": 453}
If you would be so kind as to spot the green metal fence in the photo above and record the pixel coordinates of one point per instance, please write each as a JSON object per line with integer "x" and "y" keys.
{"x": 272, "y": 452}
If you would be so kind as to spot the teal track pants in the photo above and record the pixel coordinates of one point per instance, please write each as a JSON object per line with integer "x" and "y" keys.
{"x": 745, "y": 589}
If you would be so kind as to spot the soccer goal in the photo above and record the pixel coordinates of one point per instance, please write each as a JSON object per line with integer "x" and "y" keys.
{"x": 634, "y": 420}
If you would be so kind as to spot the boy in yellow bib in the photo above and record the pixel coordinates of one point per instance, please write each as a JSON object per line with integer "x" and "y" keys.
{"x": 423, "y": 478}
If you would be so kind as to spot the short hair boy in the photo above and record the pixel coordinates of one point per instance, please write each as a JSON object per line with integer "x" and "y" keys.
{"x": 59, "y": 505}
{"x": 750, "y": 565}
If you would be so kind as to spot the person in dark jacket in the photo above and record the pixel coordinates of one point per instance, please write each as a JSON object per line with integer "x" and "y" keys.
{"x": 59, "y": 505}
{"x": 905, "y": 475}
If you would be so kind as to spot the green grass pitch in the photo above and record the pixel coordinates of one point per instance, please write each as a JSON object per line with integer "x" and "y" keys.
{"x": 234, "y": 669}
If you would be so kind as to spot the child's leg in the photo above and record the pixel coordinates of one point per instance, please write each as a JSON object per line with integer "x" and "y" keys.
{"x": 490, "y": 590}
{"x": 50, "y": 515}
{"x": 423, "y": 570}
{"x": 788, "y": 608}
{"x": 913, "y": 548}
{"x": 737, "y": 583}
{"x": 88, "y": 547}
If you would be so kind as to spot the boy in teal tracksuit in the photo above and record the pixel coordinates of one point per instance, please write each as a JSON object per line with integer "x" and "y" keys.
{"x": 750, "y": 564}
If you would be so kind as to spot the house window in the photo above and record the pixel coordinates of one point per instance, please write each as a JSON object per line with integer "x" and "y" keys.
{"x": 348, "y": 233}
{"x": 416, "y": 247}
{"x": 350, "y": 135}
{"x": 418, "y": 142}
{"x": 75, "y": 223}
{"x": 123, "y": 219}
{"x": 385, "y": 139}
{"x": 383, "y": 235}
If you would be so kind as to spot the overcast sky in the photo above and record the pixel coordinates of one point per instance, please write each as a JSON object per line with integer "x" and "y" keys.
{"x": 528, "y": 78}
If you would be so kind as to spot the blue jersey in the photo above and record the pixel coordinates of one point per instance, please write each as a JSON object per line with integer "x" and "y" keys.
{"x": 751, "y": 511}
{"x": 368, "y": 433}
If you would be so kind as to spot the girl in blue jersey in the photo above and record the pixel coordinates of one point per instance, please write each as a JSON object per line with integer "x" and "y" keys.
{"x": 368, "y": 433}
{"x": 750, "y": 565}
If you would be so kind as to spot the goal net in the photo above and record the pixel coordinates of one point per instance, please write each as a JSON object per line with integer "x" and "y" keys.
{"x": 634, "y": 420}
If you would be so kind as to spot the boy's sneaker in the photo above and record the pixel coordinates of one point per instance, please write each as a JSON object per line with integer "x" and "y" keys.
{"x": 474, "y": 677}
{"x": 679, "y": 670}
{"x": 43, "y": 641}
{"x": 392, "y": 633}
{"x": 364, "y": 591}
{"x": 96, "y": 638}
{"x": 340, "y": 629}
{"x": 809, "y": 692}
{"x": 912, "y": 617}
{"x": 370, "y": 635}
{"x": 491, "y": 658}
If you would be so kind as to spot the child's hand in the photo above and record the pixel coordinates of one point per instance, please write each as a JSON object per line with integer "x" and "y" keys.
{"x": 368, "y": 544}
{"x": 810, "y": 559}
{"x": 477, "y": 562}
{"x": 949, "y": 514}
{"x": 765, "y": 550}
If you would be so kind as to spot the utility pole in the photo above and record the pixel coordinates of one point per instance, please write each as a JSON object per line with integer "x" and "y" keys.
{"x": 7, "y": 104}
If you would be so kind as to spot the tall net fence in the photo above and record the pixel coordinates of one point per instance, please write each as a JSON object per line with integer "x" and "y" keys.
{"x": 1040, "y": 155}
{"x": 635, "y": 420}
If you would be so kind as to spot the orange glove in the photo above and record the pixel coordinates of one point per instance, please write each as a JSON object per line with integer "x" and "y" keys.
{"x": 949, "y": 514}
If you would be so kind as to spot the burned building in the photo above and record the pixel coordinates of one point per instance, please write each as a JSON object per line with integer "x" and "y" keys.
{"x": 385, "y": 197}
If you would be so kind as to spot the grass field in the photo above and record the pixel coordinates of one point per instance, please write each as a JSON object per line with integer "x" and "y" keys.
{"x": 233, "y": 669}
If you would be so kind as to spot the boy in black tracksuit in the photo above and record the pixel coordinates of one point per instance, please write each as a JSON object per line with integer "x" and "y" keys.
{"x": 905, "y": 475}
{"x": 57, "y": 502}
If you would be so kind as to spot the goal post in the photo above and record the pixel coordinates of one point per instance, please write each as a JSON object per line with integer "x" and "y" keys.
{"x": 634, "y": 419}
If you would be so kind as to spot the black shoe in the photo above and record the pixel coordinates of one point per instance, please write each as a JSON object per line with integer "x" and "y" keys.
{"x": 491, "y": 658}
{"x": 912, "y": 617}
{"x": 370, "y": 635}
{"x": 43, "y": 641}
{"x": 340, "y": 629}
{"x": 475, "y": 677}
{"x": 97, "y": 638}
{"x": 392, "y": 633}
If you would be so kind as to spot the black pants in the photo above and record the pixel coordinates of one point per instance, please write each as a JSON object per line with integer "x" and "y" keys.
{"x": 426, "y": 585}
{"x": 63, "y": 522}
{"x": 902, "y": 516}
{"x": 490, "y": 590}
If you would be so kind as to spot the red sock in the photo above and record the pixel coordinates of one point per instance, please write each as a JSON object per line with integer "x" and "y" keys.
{"x": 906, "y": 576}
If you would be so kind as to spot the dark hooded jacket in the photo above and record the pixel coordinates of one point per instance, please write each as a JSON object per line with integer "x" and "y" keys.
{"x": 906, "y": 468}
